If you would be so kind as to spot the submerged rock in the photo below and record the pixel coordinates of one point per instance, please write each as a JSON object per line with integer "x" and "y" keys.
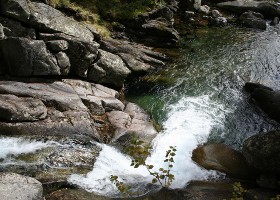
{"x": 265, "y": 98}
{"x": 253, "y": 20}
{"x": 17, "y": 187}
{"x": 224, "y": 159}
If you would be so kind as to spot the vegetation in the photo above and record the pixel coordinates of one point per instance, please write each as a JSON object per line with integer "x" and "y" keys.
{"x": 96, "y": 12}
{"x": 139, "y": 153}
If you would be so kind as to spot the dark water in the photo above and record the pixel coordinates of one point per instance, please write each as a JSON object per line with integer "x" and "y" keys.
{"x": 218, "y": 63}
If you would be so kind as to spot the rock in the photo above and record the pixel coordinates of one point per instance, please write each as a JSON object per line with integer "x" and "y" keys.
{"x": 253, "y": 20}
{"x": 17, "y": 9}
{"x": 13, "y": 28}
{"x": 260, "y": 193}
{"x": 139, "y": 126}
{"x": 82, "y": 54}
{"x": 163, "y": 12}
{"x": 120, "y": 121}
{"x": 192, "y": 5}
{"x": 139, "y": 59}
{"x": 57, "y": 45}
{"x": 204, "y": 9}
{"x": 2, "y": 34}
{"x": 269, "y": 9}
{"x": 67, "y": 115}
{"x": 15, "y": 109}
{"x": 110, "y": 104}
{"x": 262, "y": 152}
{"x": 161, "y": 28}
{"x": 265, "y": 98}
{"x": 219, "y": 21}
{"x": 94, "y": 104}
{"x": 74, "y": 194}
{"x": 17, "y": 187}
{"x": 32, "y": 57}
{"x": 63, "y": 63}
{"x": 101, "y": 91}
{"x": 216, "y": 14}
{"x": 47, "y": 18}
{"x": 189, "y": 14}
{"x": 109, "y": 69}
{"x": 275, "y": 21}
{"x": 268, "y": 181}
{"x": 224, "y": 159}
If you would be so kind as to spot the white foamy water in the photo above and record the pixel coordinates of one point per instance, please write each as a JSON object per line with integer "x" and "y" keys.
{"x": 189, "y": 123}
{"x": 15, "y": 146}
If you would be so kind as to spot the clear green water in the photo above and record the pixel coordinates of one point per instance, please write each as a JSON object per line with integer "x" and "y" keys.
{"x": 218, "y": 63}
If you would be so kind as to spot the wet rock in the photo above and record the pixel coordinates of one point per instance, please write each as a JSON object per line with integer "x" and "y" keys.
{"x": 32, "y": 57}
{"x": 189, "y": 14}
{"x": 164, "y": 12}
{"x": 265, "y": 98}
{"x": 63, "y": 63}
{"x": 109, "y": 69}
{"x": 17, "y": 9}
{"x": 253, "y": 20}
{"x": 13, "y": 108}
{"x": 224, "y": 159}
{"x": 14, "y": 186}
{"x": 216, "y": 14}
{"x": 139, "y": 126}
{"x": 57, "y": 45}
{"x": 275, "y": 21}
{"x": 262, "y": 152}
{"x": 74, "y": 194}
{"x": 269, "y": 9}
{"x": 260, "y": 193}
{"x": 219, "y": 21}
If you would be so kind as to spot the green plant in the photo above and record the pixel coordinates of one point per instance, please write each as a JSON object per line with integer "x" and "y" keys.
{"x": 238, "y": 191}
{"x": 139, "y": 153}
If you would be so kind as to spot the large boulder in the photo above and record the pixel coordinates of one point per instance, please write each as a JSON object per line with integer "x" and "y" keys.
{"x": 109, "y": 69}
{"x": 262, "y": 151}
{"x": 25, "y": 57}
{"x": 224, "y": 159}
{"x": 253, "y": 20}
{"x": 17, "y": 9}
{"x": 269, "y": 9}
{"x": 265, "y": 98}
{"x": 13, "y": 108}
{"x": 17, "y": 187}
{"x": 139, "y": 59}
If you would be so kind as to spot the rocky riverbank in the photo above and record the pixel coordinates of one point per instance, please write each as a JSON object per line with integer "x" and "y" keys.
{"x": 62, "y": 88}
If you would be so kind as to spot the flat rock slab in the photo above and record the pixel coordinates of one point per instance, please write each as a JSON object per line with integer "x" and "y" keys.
{"x": 13, "y": 108}
{"x": 17, "y": 187}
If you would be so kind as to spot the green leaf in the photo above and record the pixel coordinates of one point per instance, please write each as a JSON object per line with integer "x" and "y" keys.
{"x": 161, "y": 176}
{"x": 154, "y": 180}
{"x": 150, "y": 166}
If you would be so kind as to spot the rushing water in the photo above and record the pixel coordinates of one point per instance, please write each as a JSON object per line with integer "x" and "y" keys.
{"x": 202, "y": 100}
{"x": 197, "y": 99}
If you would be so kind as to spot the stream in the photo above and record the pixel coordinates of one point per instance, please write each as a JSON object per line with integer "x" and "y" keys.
{"x": 197, "y": 99}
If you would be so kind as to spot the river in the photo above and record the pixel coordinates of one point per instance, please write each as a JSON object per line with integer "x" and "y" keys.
{"x": 198, "y": 98}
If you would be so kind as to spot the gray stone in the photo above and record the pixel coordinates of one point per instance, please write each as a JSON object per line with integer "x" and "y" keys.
{"x": 82, "y": 54}
{"x": 13, "y": 28}
{"x": 189, "y": 14}
{"x": 110, "y": 104}
{"x": 220, "y": 21}
{"x": 63, "y": 63}
{"x": 275, "y": 21}
{"x": 2, "y": 34}
{"x": 109, "y": 69}
{"x": 216, "y": 14}
{"x": 57, "y": 45}
{"x": 269, "y": 9}
{"x": 102, "y": 91}
{"x": 25, "y": 57}
{"x": 17, "y": 9}
{"x": 253, "y": 20}
{"x": 139, "y": 59}
{"x": 17, "y": 187}
{"x": 94, "y": 105}
{"x": 204, "y": 9}
{"x": 120, "y": 121}
{"x": 47, "y": 18}
{"x": 56, "y": 94}
{"x": 13, "y": 108}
